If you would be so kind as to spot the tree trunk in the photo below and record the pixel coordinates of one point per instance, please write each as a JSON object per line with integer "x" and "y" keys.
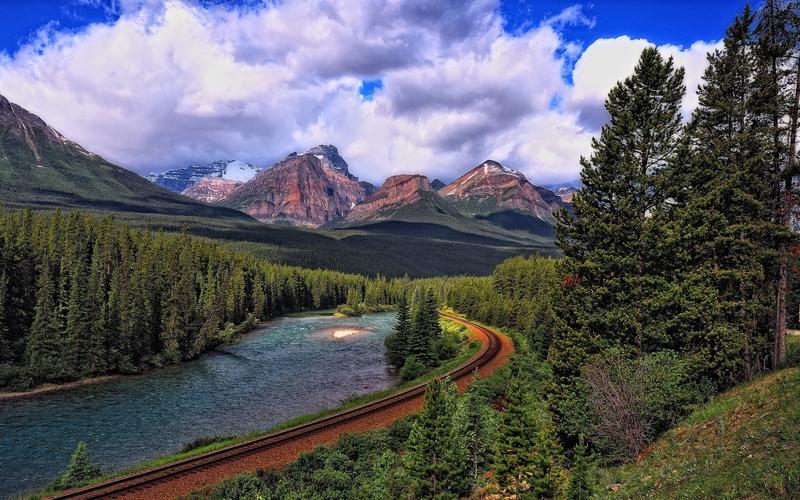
{"x": 779, "y": 348}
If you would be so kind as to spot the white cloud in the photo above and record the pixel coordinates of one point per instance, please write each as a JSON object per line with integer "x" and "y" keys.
{"x": 610, "y": 60}
{"x": 172, "y": 83}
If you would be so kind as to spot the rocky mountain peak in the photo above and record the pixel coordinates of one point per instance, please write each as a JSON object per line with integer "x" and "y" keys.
{"x": 310, "y": 189}
{"x": 329, "y": 156}
{"x": 492, "y": 186}
{"x": 397, "y": 191}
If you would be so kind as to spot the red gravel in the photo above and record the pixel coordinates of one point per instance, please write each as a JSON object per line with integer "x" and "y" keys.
{"x": 284, "y": 453}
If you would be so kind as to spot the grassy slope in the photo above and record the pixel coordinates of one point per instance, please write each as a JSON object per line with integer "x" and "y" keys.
{"x": 744, "y": 444}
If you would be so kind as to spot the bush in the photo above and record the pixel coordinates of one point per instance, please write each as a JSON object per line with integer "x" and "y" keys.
{"x": 348, "y": 311}
{"x": 448, "y": 345}
{"x": 15, "y": 378}
{"x": 244, "y": 487}
{"x": 201, "y": 442}
{"x": 792, "y": 352}
{"x": 635, "y": 400}
{"x": 412, "y": 368}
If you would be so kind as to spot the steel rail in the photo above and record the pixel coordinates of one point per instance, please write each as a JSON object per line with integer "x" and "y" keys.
{"x": 139, "y": 480}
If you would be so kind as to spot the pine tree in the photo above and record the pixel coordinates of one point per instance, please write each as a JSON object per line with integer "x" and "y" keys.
{"x": 6, "y": 354}
{"x": 722, "y": 223}
{"x": 476, "y": 426}
{"x": 397, "y": 342}
{"x": 614, "y": 259}
{"x": 434, "y": 460}
{"x": 527, "y": 455}
{"x": 582, "y": 475}
{"x": 80, "y": 470}
{"x": 44, "y": 350}
{"x": 777, "y": 95}
{"x": 425, "y": 328}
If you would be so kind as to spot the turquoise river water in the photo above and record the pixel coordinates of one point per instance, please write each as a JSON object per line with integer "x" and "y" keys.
{"x": 287, "y": 368}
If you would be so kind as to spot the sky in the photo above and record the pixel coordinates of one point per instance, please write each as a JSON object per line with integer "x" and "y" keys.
{"x": 399, "y": 86}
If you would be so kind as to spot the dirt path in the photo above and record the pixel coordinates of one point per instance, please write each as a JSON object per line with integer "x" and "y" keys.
{"x": 284, "y": 453}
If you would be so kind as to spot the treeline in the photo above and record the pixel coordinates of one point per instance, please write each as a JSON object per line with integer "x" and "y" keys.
{"x": 418, "y": 342}
{"x": 677, "y": 257}
{"x": 517, "y": 297}
{"x": 84, "y": 296}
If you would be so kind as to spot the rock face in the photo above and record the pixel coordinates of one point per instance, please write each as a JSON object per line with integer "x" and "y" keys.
{"x": 211, "y": 189}
{"x": 491, "y": 187}
{"x": 566, "y": 193}
{"x": 396, "y": 192}
{"x": 310, "y": 189}
{"x": 178, "y": 180}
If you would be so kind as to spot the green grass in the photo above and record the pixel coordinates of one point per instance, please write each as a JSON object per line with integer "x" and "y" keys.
{"x": 469, "y": 350}
{"x": 743, "y": 444}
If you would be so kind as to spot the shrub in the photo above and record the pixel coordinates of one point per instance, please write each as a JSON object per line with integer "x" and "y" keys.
{"x": 412, "y": 368}
{"x": 447, "y": 345}
{"x": 80, "y": 469}
{"x": 635, "y": 400}
{"x": 243, "y": 487}
{"x": 348, "y": 311}
{"x": 792, "y": 352}
{"x": 201, "y": 442}
{"x": 15, "y": 378}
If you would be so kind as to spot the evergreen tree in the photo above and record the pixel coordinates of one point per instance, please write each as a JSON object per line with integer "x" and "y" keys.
{"x": 6, "y": 354}
{"x": 527, "y": 455}
{"x": 434, "y": 460}
{"x": 44, "y": 353}
{"x": 425, "y": 328}
{"x": 396, "y": 343}
{"x": 722, "y": 224}
{"x": 476, "y": 426}
{"x": 582, "y": 475}
{"x": 614, "y": 259}
{"x": 80, "y": 470}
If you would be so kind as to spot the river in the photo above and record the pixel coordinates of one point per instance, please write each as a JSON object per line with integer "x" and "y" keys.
{"x": 289, "y": 367}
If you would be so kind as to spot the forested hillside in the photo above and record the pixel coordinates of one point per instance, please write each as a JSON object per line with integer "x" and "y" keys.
{"x": 83, "y": 296}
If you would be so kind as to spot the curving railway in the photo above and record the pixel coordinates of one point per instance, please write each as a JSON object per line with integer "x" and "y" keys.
{"x": 279, "y": 448}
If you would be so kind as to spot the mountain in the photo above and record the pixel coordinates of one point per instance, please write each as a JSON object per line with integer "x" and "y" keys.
{"x": 491, "y": 188}
{"x": 310, "y": 189}
{"x": 397, "y": 192}
{"x": 41, "y": 168}
{"x": 436, "y": 184}
{"x": 566, "y": 193}
{"x": 178, "y": 180}
{"x": 211, "y": 189}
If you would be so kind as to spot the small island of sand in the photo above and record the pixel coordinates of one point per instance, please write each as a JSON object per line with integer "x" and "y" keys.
{"x": 338, "y": 334}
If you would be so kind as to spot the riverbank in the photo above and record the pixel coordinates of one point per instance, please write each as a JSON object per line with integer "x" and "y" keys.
{"x": 53, "y": 387}
{"x": 47, "y": 388}
{"x": 382, "y": 415}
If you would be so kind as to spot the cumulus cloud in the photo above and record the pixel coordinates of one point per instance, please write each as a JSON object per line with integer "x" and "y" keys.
{"x": 174, "y": 82}
{"x": 608, "y": 61}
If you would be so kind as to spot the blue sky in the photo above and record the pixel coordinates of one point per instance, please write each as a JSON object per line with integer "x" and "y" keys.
{"x": 398, "y": 86}
{"x": 662, "y": 21}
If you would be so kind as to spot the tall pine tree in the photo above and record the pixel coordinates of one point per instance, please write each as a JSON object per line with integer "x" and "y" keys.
{"x": 612, "y": 265}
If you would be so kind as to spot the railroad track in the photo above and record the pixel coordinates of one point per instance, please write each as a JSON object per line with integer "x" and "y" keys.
{"x": 139, "y": 481}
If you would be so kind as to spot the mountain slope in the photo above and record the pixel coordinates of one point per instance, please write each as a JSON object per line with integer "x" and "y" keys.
{"x": 39, "y": 167}
{"x": 211, "y": 189}
{"x": 308, "y": 190}
{"x": 490, "y": 188}
{"x": 181, "y": 179}
{"x": 407, "y": 206}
